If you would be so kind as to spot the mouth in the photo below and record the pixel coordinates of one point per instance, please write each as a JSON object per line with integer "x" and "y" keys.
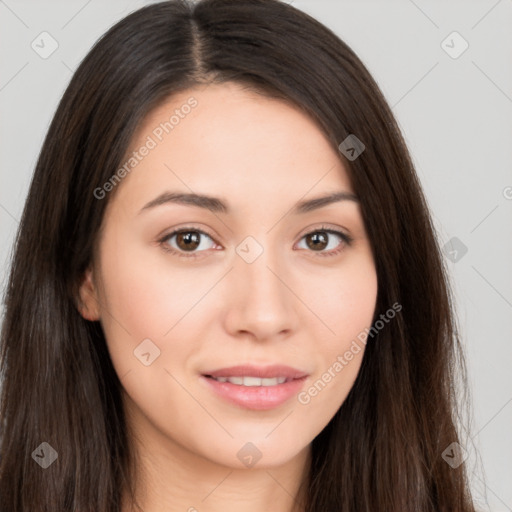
{"x": 257, "y": 388}
{"x": 251, "y": 381}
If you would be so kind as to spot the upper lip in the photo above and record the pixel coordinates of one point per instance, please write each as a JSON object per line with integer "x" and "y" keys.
{"x": 249, "y": 370}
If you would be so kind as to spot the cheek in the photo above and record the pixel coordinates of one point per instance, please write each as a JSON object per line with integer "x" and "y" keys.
{"x": 144, "y": 293}
{"x": 346, "y": 304}
{"x": 142, "y": 300}
{"x": 344, "y": 300}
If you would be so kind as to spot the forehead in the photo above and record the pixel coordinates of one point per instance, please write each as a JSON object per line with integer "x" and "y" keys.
{"x": 223, "y": 139}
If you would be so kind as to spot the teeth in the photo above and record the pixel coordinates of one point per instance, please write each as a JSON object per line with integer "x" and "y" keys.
{"x": 252, "y": 381}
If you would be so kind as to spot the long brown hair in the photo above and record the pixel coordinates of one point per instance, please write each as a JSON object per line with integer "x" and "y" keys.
{"x": 383, "y": 448}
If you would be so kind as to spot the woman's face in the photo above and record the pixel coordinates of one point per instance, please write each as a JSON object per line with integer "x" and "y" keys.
{"x": 258, "y": 278}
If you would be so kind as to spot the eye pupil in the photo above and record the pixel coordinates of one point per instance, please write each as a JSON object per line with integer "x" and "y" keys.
{"x": 189, "y": 239}
{"x": 318, "y": 240}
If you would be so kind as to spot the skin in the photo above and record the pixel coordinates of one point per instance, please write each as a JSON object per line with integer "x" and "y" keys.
{"x": 290, "y": 306}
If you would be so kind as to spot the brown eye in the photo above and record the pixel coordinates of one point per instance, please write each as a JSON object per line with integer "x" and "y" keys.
{"x": 188, "y": 240}
{"x": 184, "y": 241}
{"x": 326, "y": 242}
{"x": 317, "y": 240}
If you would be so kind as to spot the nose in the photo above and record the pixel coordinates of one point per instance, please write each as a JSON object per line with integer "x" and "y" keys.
{"x": 261, "y": 301}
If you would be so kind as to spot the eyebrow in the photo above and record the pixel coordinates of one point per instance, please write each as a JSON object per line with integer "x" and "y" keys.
{"x": 216, "y": 205}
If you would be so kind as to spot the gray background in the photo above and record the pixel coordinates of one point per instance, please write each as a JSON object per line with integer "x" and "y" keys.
{"x": 455, "y": 113}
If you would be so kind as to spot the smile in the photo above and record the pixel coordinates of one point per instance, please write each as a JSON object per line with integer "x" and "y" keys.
{"x": 252, "y": 381}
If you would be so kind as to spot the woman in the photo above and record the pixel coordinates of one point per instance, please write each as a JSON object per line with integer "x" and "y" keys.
{"x": 226, "y": 290}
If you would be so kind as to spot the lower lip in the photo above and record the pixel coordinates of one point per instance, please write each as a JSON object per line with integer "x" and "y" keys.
{"x": 256, "y": 397}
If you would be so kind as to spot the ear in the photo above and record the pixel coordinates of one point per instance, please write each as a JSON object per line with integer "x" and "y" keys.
{"x": 88, "y": 300}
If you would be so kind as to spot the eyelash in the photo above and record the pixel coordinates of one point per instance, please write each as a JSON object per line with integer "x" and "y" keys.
{"x": 347, "y": 239}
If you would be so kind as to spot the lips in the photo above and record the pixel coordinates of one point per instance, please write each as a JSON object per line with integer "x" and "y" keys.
{"x": 262, "y": 372}
{"x": 255, "y": 387}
